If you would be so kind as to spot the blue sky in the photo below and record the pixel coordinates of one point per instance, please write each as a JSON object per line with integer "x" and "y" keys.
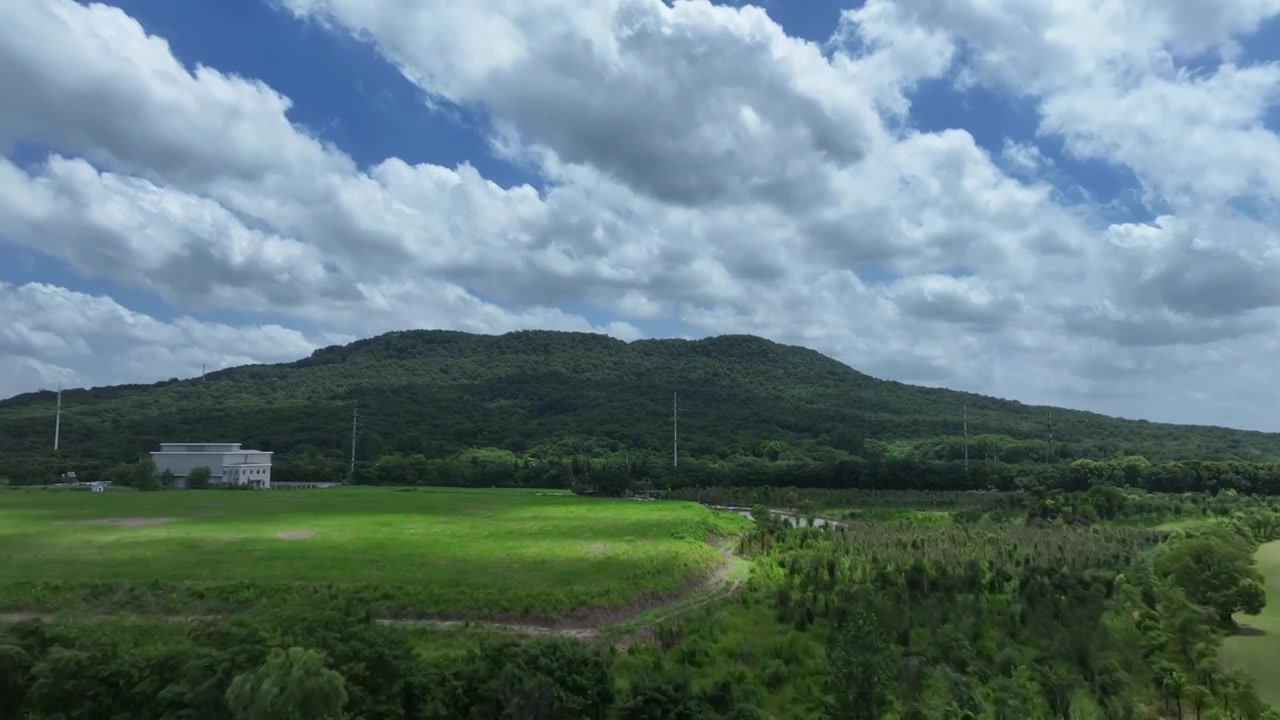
{"x": 943, "y": 196}
{"x": 344, "y": 92}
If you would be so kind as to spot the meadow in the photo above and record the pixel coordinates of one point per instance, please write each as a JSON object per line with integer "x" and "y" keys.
{"x": 1254, "y": 649}
{"x": 403, "y": 553}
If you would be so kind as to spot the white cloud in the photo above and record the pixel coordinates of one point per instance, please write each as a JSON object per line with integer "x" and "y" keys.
{"x": 94, "y": 340}
{"x": 120, "y": 97}
{"x": 137, "y": 233}
{"x": 1024, "y": 157}
{"x": 701, "y": 167}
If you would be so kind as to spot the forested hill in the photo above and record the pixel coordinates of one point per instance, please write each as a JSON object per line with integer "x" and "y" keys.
{"x": 436, "y": 393}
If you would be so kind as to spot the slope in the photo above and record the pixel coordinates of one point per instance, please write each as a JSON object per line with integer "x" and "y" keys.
{"x": 439, "y": 392}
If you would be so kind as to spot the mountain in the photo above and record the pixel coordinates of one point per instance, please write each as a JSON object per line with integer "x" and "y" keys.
{"x": 439, "y": 392}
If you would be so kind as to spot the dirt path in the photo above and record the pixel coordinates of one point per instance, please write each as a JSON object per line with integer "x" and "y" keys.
{"x": 622, "y": 632}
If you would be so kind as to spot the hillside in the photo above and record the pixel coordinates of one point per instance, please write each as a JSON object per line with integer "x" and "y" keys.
{"x": 438, "y": 392}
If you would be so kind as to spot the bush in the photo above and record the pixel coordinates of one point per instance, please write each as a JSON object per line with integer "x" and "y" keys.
{"x": 144, "y": 476}
{"x": 198, "y": 479}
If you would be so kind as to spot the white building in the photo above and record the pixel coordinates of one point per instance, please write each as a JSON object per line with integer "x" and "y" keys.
{"x": 228, "y": 463}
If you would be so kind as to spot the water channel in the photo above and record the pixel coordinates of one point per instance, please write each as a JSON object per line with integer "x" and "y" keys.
{"x": 789, "y": 518}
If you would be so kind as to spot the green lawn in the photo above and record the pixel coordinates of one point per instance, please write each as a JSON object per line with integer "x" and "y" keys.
{"x": 458, "y": 552}
{"x": 1257, "y": 650}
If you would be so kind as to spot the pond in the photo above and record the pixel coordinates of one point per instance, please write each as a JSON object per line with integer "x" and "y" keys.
{"x": 789, "y": 518}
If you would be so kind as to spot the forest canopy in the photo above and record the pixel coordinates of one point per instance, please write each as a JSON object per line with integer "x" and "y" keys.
{"x": 540, "y": 394}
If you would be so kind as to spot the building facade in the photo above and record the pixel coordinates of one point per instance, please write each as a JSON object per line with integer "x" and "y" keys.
{"x": 228, "y": 463}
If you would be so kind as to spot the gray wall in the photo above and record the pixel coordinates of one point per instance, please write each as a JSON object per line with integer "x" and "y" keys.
{"x": 181, "y": 464}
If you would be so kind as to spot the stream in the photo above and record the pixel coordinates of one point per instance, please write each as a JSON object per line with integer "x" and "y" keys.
{"x": 789, "y": 518}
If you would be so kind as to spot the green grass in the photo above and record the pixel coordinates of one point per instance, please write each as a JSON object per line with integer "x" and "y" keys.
{"x": 1257, "y": 649}
{"x": 412, "y": 552}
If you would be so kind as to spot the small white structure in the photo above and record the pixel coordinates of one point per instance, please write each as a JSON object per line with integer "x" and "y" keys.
{"x": 97, "y": 487}
{"x": 228, "y": 463}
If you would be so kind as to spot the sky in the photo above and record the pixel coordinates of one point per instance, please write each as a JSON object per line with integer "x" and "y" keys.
{"x": 1066, "y": 202}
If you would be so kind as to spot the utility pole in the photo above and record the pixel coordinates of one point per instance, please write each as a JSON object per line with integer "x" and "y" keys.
{"x": 1049, "y": 449}
{"x": 202, "y": 366}
{"x": 57, "y": 420}
{"x": 351, "y": 470}
{"x": 966, "y": 438}
{"x": 675, "y": 429}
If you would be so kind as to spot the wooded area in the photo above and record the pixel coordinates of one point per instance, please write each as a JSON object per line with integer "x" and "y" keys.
{"x": 550, "y": 408}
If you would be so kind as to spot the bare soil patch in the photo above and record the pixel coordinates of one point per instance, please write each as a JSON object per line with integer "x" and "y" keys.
{"x": 295, "y": 534}
{"x": 127, "y": 521}
{"x": 598, "y": 548}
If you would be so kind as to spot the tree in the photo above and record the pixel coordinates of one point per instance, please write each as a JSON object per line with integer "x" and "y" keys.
{"x": 662, "y": 696}
{"x": 291, "y": 684}
{"x": 859, "y": 667}
{"x": 1217, "y": 572}
{"x": 143, "y": 476}
{"x": 198, "y": 478}
{"x": 543, "y": 679}
{"x": 167, "y": 478}
{"x": 121, "y": 475}
{"x": 15, "y": 669}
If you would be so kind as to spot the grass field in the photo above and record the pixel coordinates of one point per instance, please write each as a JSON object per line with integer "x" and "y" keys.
{"x": 400, "y": 553}
{"x": 1257, "y": 650}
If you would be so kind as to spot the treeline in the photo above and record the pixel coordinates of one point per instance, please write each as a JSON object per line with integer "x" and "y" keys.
{"x": 623, "y": 473}
{"x": 319, "y": 664}
{"x": 1100, "y": 503}
{"x": 543, "y": 394}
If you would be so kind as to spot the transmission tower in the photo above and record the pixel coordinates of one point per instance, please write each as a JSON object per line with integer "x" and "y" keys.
{"x": 675, "y": 429}
{"x": 351, "y": 470}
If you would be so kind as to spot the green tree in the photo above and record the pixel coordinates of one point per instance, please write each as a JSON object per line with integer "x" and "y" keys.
{"x": 144, "y": 476}
{"x": 662, "y": 696}
{"x": 544, "y": 679}
{"x": 859, "y": 667}
{"x": 198, "y": 478}
{"x": 121, "y": 475}
{"x": 291, "y": 684}
{"x": 167, "y": 478}
{"x": 1216, "y": 572}
{"x": 15, "y": 671}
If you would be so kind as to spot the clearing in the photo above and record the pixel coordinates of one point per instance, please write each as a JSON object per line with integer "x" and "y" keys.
{"x": 424, "y": 553}
{"x": 1256, "y": 648}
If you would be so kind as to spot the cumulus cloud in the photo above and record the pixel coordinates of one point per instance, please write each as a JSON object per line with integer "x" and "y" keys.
{"x": 138, "y": 233}
{"x": 701, "y": 169}
{"x": 52, "y": 334}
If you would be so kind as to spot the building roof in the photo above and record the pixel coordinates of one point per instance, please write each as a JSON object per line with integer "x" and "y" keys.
{"x": 167, "y": 448}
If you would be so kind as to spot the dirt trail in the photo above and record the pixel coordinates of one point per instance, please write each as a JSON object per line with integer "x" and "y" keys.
{"x": 717, "y": 586}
